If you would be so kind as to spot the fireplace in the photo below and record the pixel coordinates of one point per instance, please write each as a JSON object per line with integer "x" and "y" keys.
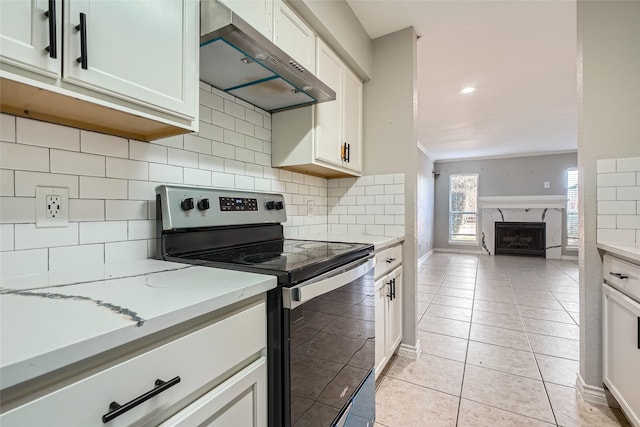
{"x": 520, "y": 238}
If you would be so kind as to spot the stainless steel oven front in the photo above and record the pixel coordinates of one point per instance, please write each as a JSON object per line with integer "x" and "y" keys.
{"x": 329, "y": 321}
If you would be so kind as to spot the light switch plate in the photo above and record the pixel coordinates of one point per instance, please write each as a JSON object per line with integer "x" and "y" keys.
{"x": 547, "y": 184}
{"x": 52, "y": 207}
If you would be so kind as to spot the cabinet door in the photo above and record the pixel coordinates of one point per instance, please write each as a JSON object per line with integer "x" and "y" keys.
{"x": 257, "y": 13}
{"x": 294, "y": 37}
{"x": 142, "y": 51}
{"x": 381, "y": 322}
{"x": 394, "y": 323}
{"x": 353, "y": 119}
{"x": 24, "y": 35}
{"x": 328, "y": 126}
{"x": 621, "y": 350}
{"x": 239, "y": 401}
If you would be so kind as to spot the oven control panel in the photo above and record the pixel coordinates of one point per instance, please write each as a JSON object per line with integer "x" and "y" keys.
{"x": 191, "y": 207}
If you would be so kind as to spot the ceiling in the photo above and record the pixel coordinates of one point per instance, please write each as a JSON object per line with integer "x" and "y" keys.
{"x": 521, "y": 57}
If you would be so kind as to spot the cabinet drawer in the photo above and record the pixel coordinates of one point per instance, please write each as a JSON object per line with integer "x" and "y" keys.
{"x": 388, "y": 259}
{"x": 623, "y": 275}
{"x": 198, "y": 358}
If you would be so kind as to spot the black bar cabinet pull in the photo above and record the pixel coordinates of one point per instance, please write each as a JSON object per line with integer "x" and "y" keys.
{"x": 115, "y": 409}
{"x": 618, "y": 275}
{"x": 53, "y": 43}
{"x": 82, "y": 27}
{"x": 393, "y": 289}
{"x": 348, "y": 153}
{"x": 390, "y": 260}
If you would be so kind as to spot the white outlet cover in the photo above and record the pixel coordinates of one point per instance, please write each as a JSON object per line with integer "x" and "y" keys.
{"x": 547, "y": 184}
{"x": 62, "y": 220}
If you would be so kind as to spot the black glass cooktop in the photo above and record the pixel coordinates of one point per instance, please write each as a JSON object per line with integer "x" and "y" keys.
{"x": 297, "y": 259}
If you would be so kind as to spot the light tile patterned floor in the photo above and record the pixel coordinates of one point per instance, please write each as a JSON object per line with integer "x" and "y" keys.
{"x": 499, "y": 339}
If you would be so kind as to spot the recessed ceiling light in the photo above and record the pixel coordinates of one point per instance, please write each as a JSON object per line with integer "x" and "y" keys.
{"x": 468, "y": 89}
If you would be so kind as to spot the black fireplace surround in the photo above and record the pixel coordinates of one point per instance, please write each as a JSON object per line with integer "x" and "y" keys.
{"x": 520, "y": 238}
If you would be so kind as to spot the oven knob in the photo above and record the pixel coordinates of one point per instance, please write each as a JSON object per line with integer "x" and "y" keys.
{"x": 270, "y": 205}
{"x": 279, "y": 205}
{"x": 203, "y": 204}
{"x": 187, "y": 204}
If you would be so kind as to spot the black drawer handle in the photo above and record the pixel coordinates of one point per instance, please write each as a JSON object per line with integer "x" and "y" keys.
{"x": 348, "y": 153}
{"x": 82, "y": 27}
{"x": 390, "y": 260}
{"x": 619, "y": 275}
{"x": 116, "y": 409}
{"x": 53, "y": 43}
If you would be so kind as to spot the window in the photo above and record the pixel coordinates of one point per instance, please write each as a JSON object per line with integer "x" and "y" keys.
{"x": 463, "y": 208}
{"x": 572, "y": 207}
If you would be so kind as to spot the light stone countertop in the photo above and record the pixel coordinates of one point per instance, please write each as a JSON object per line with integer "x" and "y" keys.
{"x": 626, "y": 251}
{"x": 52, "y": 320}
{"x": 378, "y": 242}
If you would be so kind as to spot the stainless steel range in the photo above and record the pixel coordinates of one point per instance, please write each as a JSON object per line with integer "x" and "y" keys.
{"x": 320, "y": 318}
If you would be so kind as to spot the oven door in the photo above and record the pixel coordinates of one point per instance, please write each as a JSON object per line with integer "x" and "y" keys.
{"x": 330, "y": 325}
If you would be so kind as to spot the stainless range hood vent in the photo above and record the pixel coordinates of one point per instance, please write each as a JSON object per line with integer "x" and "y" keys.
{"x": 236, "y": 58}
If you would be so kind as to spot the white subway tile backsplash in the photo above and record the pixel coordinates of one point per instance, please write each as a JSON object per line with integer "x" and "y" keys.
{"x": 7, "y": 184}
{"x": 262, "y": 184}
{"x": 394, "y": 189}
{"x": 47, "y": 134}
{"x": 356, "y": 210}
{"x": 398, "y": 178}
{"x": 223, "y": 180}
{"x": 245, "y": 182}
{"x": 182, "y": 158}
{"x": 106, "y": 145}
{"x": 14, "y": 210}
{"x": 234, "y": 108}
{"x": 377, "y": 230}
{"x": 211, "y": 163}
{"x": 291, "y": 187}
{"x": 23, "y": 157}
{"x": 102, "y": 188}
{"x": 197, "y": 177}
{"x": 86, "y": 210}
{"x": 26, "y": 183}
{"x": 148, "y": 152}
{"x": 366, "y": 219}
{"x": 118, "y": 210}
{"x": 127, "y": 169}
{"x": 267, "y": 120}
{"x": 394, "y": 230}
{"x": 197, "y": 144}
{"x": 6, "y": 237}
{"x": 383, "y": 179}
{"x": 233, "y": 138}
{"x": 263, "y": 133}
{"x": 142, "y": 229}
{"x": 384, "y": 219}
{"x": 629, "y": 164}
{"x": 628, "y": 222}
{"x": 373, "y": 190}
{"x": 245, "y": 128}
{"x": 246, "y": 105}
{"x": 245, "y": 155}
{"x": 254, "y": 117}
{"x": 254, "y": 144}
{"x": 391, "y": 209}
{"x": 606, "y": 221}
{"x": 221, "y": 149}
{"x": 28, "y": 236}
{"x": 627, "y": 193}
{"x": 619, "y": 236}
{"x": 263, "y": 159}
{"x": 100, "y": 232}
{"x": 70, "y": 257}
{"x": 7, "y": 128}
{"x": 223, "y": 120}
{"x": 606, "y": 193}
{"x": 622, "y": 179}
{"x": 211, "y": 131}
{"x": 165, "y": 173}
{"x": 253, "y": 170}
{"x": 233, "y": 166}
{"x": 69, "y": 162}
{"x": 20, "y": 263}
{"x": 365, "y": 200}
{"x": 619, "y": 208}
{"x": 176, "y": 142}
{"x": 266, "y": 148}
{"x": 298, "y": 178}
{"x": 211, "y": 100}
{"x": 142, "y": 190}
{"x": 125, "y": 251}
{"x": 606, "y": 166}
{"x": 205, "y": 114}
{"x": 384, "y": 200}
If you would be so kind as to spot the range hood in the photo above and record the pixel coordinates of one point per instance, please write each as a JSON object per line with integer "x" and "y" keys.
{"x": 236, "y": 58}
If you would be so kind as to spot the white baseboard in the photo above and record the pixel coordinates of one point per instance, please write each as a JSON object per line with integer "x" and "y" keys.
{"x": 569, "y": 258}
{"x": 593, "y": 394}
{"x": 424, "y": 258}
{"x": 410, "y": 351}
{"x": 459, "y": 251}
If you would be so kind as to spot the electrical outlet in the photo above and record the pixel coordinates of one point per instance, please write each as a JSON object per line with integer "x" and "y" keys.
{"x": 310, "y": 208}
{"x": 52, "y": 207}
{"x": 547, "y": 184}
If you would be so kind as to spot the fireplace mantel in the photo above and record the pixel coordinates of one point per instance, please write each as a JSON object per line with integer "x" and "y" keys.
{"x": 531, "y": 202}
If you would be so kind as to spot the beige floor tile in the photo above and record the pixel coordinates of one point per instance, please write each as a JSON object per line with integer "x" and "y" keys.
{"x": 458, "y": 285}
{"x": 572, "y": 289}
{"x": 443, "y": 345}
{"x": 512, "y": 361}
{"x": 545, "y": 314}
{"x": 557, "y": 370}
{"x": 570, "y": 306}
{"x": 512, "y": 393}
{"x": 554, "y": 346}
{"x": 492, "y": 283}
{"x": 556, "y": 329}
{"x": 474, "y": 414}
{"x": 429, "y": 371}
{"x": 575, "y": 316}
{"x": 495, "y": 307}
{"x": 428, "y": 288}
{"x": 440, "y": 325}
{"x": 499, "y": 336}
{"x": 495, "y": 295}
{"x": 542, "y": 294}
{"x": 425, "y": 297}
{"x": 402, "y": 404}
{"x": 499, "y": 320}
{"x": 449, "y": 312}
{"x": 453, "y": 301}
{"x": 571, "y": 411}
{"x": 455, "y": 292}
{"x": 539, "y": 302}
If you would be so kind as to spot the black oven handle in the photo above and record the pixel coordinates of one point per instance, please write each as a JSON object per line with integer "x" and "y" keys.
{"x": 305, "y": 291}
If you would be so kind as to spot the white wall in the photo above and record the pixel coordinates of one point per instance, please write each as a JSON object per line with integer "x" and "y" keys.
{"x": 425, "y": 204}
{"x": 111, "y": 183}
{"x": 608, "y": 126}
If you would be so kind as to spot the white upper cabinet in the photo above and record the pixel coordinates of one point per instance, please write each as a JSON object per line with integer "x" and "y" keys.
{"x": 293, "y": 36}
{"x": 352, "y": 120}
{"x": 257, "y": 13}
{"x": 30, "y": 35}
{"x": 139, "y": 50}
{"x": 329, "y": 114}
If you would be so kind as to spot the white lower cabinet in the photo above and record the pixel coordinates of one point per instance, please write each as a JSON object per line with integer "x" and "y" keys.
{"x": 212, "y": 377}
{"x": 621, "y": 350}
